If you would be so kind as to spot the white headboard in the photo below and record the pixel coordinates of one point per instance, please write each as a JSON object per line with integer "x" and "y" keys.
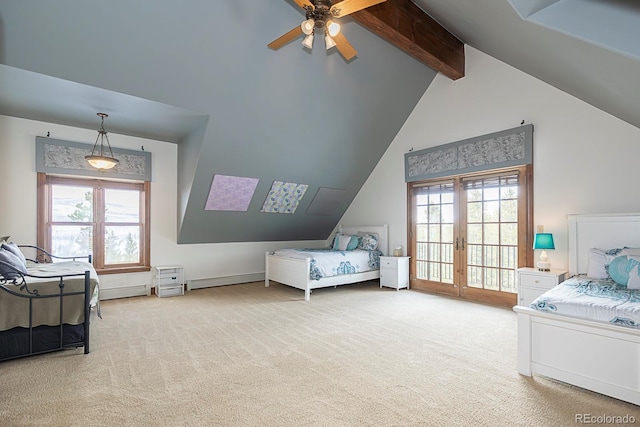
{"x": 382, "y": 231}
{"x": 603, "y": 231}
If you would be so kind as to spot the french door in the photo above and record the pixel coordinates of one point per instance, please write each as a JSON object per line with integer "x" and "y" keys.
{"x": 469, "y": 234}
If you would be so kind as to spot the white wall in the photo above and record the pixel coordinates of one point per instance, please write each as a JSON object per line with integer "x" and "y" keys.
{"x": 18, "y": 215}
{"x": 585, "y": 160}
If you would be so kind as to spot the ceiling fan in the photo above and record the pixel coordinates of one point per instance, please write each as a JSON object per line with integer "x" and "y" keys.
{"x": 320, "y": 16}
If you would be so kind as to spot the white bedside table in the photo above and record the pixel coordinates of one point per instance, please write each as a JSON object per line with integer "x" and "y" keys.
{"x": 168, "y": 280}
{"x": 394, "y": 272}
{"x": 533, "y": 283}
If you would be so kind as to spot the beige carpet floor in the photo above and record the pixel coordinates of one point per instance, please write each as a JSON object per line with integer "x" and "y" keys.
{"x": 246, "y": 355}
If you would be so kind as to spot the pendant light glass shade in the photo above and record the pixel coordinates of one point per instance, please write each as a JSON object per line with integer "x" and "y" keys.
{"x": 333, "y": 28}
{"x": 98, "y": 158}
{"x": 328, "y": 41}
{"x": 307, "y": 26}
{"x": 308, "y": 41}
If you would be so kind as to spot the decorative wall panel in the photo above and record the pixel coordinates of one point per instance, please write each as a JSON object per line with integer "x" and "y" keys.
{"x": 67, "y": 158}
{"x": 326, "y": 201}
{"x": 511, "y": 147}
{"x": 284, "y": 197}
{"x": 230, "y": 193}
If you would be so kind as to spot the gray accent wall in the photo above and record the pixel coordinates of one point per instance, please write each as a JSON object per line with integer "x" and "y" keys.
{"x": 290, "y": 115}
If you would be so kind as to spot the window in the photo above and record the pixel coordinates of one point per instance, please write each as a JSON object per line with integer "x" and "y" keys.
{"x": 109, "y": 219}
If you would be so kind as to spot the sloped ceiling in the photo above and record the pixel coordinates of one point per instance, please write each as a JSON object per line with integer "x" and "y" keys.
{"x": 587, "y": 48}
{"x": 198, "y": 73}
{"x": 291, "y": 115}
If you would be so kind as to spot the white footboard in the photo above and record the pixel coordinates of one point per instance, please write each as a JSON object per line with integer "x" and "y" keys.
{"x": 288, "y": 271}
{"x": 597, "y": 356}
{"x": 296, "y": 273}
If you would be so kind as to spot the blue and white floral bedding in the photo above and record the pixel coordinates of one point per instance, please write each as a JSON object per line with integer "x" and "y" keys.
{"x": 600, "y": 300}
{"x": 329, "y": 262}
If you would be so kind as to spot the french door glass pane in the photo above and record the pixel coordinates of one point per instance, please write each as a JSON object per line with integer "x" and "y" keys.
{"x": 434, "y": 232}
{"x": 71, "y": 203}
{"x": 492, "y": 232}
{"x": 122, "y": 244}
{"x": 71, "y": 240}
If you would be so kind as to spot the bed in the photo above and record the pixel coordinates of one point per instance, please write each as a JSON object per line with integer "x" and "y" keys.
{"x": 298, "y": 271}
{"x": 45, "y": 301}
{"x": 601, "y": 355}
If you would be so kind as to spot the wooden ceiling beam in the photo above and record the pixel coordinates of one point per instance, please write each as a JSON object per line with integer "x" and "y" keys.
{"x": 409, "y": 28}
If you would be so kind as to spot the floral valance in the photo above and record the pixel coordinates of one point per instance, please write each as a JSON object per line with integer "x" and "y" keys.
{"x": 67, "y": 158}
{"x": 511, "y": 147}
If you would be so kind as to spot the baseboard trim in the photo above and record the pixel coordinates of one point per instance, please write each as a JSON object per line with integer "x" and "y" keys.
{"x": 223, "y": 281}
{"x": 145, "y": 290}
{"x": 125, "y": 292}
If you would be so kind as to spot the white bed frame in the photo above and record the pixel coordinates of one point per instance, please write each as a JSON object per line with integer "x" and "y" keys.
{"x": 295, "y": 272}
{"x": 593, "y": 355}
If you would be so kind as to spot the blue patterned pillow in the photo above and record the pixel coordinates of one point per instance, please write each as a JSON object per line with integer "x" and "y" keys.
{"x": 10, "y": 265}
{"x": 624, "y": 271}
{"x": 617, "y": 269}
{"x": 368, "y": 242}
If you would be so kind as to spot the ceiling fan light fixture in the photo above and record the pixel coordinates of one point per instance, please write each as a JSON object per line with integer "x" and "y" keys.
{"x": 307, "y": 26}
{"x": 333, "y": 28}
{"x": 101, "y": 160}
{"x": 308, "y": 41}
{"x": 329, "y": 41}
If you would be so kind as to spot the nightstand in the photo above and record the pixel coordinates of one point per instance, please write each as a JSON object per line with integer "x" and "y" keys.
{"x": 533, "y": 283}
{"x": 394, "y": 272}
{"x": 168, "y": 280}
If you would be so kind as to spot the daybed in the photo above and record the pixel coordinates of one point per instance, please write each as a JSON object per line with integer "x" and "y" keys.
{"x": 45, "y": 301}
{"x": 599, "y": 355}
{"x": 299, "y": 271}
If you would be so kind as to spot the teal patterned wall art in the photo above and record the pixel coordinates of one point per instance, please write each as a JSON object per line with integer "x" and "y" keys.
{"x": 284, "y": 197}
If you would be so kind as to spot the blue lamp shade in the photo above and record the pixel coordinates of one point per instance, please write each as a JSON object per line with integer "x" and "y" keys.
{"x": 543, "y": 241}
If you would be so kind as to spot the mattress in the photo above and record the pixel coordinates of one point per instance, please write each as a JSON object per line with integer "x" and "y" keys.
{"x": 14, "y": 310}
{"x": 329, "y": 262}
{"x": 599, "y": 300}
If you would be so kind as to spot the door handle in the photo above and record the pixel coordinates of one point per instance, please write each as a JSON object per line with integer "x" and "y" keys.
{"x": 456, "y": 243}
{"x": 463, "y": 243}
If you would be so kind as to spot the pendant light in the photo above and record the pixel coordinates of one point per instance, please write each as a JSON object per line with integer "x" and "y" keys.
{"x": 101, "y": 160}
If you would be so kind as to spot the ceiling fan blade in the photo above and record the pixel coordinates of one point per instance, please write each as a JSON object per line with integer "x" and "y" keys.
{"x": 285, "y": 38}
{"x": 346, "y": 7}
{"x": 344, "y": 47}
{"x": 303, "y": 3}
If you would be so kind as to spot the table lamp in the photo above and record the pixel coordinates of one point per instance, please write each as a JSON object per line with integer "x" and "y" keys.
{"x": 543, "y": 241}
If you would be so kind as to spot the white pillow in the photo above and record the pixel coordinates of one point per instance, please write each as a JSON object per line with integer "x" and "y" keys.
{"x": 599, "y": 260}
{"x": 634, "y": 252}
{"x": 343, "y": 241}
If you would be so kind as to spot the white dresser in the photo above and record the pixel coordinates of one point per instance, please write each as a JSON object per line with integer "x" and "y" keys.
{"x": 394, "y": 272}
{"x": 168, "y": 280}
{"x": 533, "y": 283}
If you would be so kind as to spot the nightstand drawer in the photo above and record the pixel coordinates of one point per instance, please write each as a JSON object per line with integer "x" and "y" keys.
{"x": 386, "y": 263}
{"x": 538, "y": 281}
{"x": 532, "y": 283}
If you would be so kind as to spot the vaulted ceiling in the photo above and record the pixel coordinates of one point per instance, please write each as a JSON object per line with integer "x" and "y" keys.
{"x": 198, "y": 73}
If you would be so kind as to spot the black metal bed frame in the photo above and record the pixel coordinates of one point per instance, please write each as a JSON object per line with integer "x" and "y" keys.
{"x": 42, "y": 256}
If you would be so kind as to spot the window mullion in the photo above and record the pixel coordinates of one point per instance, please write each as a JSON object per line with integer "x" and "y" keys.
{"x": 98, "y": 225}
